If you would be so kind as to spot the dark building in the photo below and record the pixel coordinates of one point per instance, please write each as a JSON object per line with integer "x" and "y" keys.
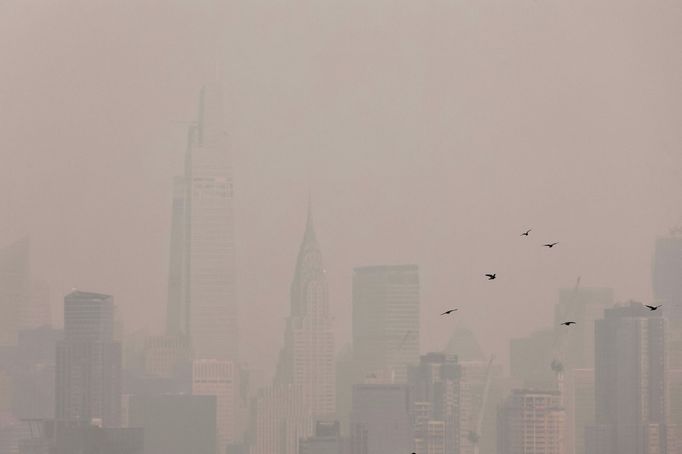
{"x": 87, "y": 439}
{"x": 630, "y": 383}
{"x": 88, "y": 375}
{"x": 175, "y": 424}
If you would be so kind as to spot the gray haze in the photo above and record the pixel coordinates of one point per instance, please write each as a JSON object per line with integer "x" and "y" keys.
{"x": 427, "y": 132}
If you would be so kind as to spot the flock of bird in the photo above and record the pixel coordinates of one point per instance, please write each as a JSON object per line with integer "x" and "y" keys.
{"x": 492, "y": 276}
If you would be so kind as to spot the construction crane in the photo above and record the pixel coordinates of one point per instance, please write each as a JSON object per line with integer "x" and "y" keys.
{"x": 475, "y": 435}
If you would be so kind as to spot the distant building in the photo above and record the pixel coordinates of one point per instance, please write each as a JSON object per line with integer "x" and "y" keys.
{"x": 76, "y": 438}
{"x": 281, "y": 418}
{"x": 667, "y": 274}
{"x": 530, "y": 360}
{"x": 164, "y": 355}
{"x": 14, "y": 289}
{"x": 583, "y": 305}
{"x": 88, "y": 369}
{"x": 580, "y": 407}
{"x": 380, "y": 420}
{"x": 219, "y": 378}
{"x": 479, "y": 392}
{"x": 326, "y": 440}
{"x": 531, "y": 422}
{"x": 435, "y": 393}
{"x": 202, "y": 304}
{"x": 630, "y": 383}
{"x": 386, "y": 320}
{"x": 175, "y": 424}
{"x": 307, "y": 358}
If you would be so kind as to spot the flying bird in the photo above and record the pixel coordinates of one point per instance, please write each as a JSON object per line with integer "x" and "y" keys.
{"x": 653, "y": 308}
{"x": 550, "y": 245}
{"x": 568, "y": 323}
{"x": 491, "y": 276}
{"x": 526, "y": 232}
{"x": 448, "y": 312}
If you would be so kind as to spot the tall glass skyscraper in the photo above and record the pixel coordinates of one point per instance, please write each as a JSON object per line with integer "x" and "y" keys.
{"x": 202, "y": 303}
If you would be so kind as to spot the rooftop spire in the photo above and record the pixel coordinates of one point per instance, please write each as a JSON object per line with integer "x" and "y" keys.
{"x": 309, "y": 227}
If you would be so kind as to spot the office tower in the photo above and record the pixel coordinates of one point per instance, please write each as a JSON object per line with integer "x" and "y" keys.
{"x": 667, "y": 274}
{"x": 584, "y": 305}
{"x": 281, "y": 418}
{"x": 580, "y": 408}
{"x": 463, "y": 344}
{"x": 380, "y": 420}
{"x": 531, "y": 422}
{"x": 326, "y": 440}
{"x": 630, "y": 383}
{"x": 34, "y": 373}
{"x": 164, "y": 355}
{"x": 386, "y": 319}
{"x": 201, "y": 295}
{"x": 530, "y": 360}
{"x": 14, "y": 289}
{"x": 479, "y": 392}
{"x": 175, "y": 424}
{"x": 88, "y": 375}
{"x": 434, "y": 393}
{"x": 307, "y": 358}
{"x": 220, "y": 378}
{"x": 72, "y": 438}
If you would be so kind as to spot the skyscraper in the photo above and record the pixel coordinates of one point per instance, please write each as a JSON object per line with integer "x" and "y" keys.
{"x": 531, "y": 422}
{"x": 307, "y": 358}
{"x": 584, "y": 305}
{"x": 201, "y": 295}
{"x": 630, "y": 383}
{"x": 219, "y": 378}
{"x": 386, "y": 319}
{"x": 14, "y": 289}
{"x": 380, "y": 420}
{"x": 667, "y": 273}
{"x": 88, "y": 375}
{"x": 435, "y": 392}
{"x": 579, "y": 408}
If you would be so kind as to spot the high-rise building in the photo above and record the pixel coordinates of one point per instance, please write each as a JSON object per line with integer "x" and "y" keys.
{"x": 201, "y": 295}
{"x": 281, "y": 417}
{"x": 479, "y": 392}
{"x": 667, "y": 273}
{"x": 14, "y": 289}
{"x": 88, "y": 371}
{"x": 584, "y": 305}
{"x": 326, "y": 440}
{"x": 220, "y": 378}
{"x": 165, "y": 355}
{"x": 580, "y": 408}
{"x": 386, "y": 319}
{"x": 434, "y": 391}
{"x": 307, "y": 358}
{"x": 380, "y": 420}
{"x": 531, "y": 422}
{"x": 630, "y": 383}
{"x": 530, "y": 359}
{"x": 175, "y": 424}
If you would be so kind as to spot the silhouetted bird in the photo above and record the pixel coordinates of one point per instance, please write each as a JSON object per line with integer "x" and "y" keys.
{"x": 491, "y": 276}
{"x": 550, "y": 245}
{"x": 568, "y": 323}
{"x": 448, "y": 312}
{"x": 526, "y": 232}
{"x": 653, "y": 308}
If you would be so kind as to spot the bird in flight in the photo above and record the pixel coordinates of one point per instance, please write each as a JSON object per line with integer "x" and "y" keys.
{"x": 526, "y": 232}
{"x": 653, "y": 308}
{"x": 550, "y": 245}
{"x": 568, "y": 323}
{"x": 491, "y": 276}
{"x": 448, "y": 312}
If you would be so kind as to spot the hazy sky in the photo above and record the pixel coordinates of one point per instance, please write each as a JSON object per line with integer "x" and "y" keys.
{"x": 429, "y": 132}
